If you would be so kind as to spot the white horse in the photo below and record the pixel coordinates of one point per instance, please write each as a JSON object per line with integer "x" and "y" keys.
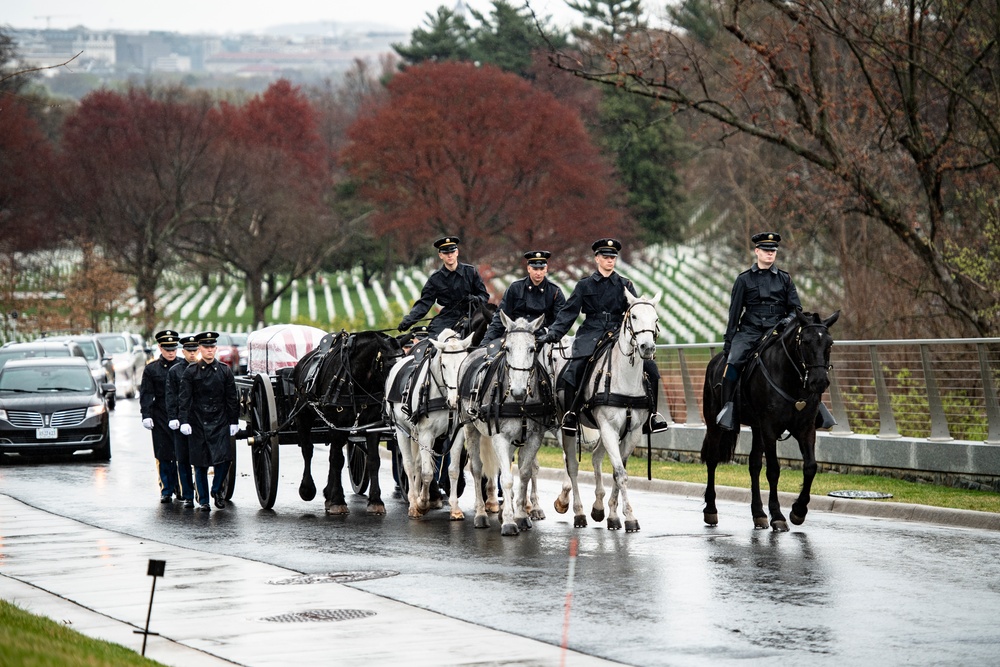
{"x": 615, "y": 394}
{"x": 426, "y": 413}
{"x": 512, "y": 405}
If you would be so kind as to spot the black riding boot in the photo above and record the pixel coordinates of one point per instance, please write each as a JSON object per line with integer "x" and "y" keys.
{"x": 726, "y": 417}
{"x": 823, "y": 417}
{"x": 570, "y": 397}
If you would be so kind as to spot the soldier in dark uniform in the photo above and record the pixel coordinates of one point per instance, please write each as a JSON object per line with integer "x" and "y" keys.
{"x": 208, "y": 409}
{"x": 529, "y": 297}
{"x": 455, "y": 286}
{"x": 764, "y": 297}
{"x": 153, "y": 408}
{"x": 601, "y": 297}
{"x": 189, "y": 348}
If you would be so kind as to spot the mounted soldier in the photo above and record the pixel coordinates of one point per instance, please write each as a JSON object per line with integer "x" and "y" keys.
{"x": 601, "y": 298}
{"x": 530, "y": 297}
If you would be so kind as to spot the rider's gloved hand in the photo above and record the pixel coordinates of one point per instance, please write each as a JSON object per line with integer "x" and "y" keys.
{"x": 185, "y": 429}
{"x": 173, "y": 424}
{"x": 540, "y": 333}
{"x": 547, "y": 337}
{"x": 786, "y": 321}
{"x": 403, "y": 326}
{"x": 147, "y": 423}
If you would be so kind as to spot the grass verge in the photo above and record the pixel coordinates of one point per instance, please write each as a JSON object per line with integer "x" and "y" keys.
{"x": 902, "y": 491}
{"x": 26, "y": 639}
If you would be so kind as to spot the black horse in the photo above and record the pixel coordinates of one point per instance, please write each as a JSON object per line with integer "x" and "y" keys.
{"x": 341, "y": 385}
{"x": 780, "y": 390}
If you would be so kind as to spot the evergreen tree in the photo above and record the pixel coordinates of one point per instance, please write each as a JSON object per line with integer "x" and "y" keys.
{"x": 447, "y": 37}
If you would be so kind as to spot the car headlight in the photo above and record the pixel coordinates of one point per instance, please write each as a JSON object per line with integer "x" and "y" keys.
{"x": 95, "y": 411}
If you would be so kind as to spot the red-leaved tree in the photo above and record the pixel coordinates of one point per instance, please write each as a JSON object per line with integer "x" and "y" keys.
{"x": 473, "y": 151}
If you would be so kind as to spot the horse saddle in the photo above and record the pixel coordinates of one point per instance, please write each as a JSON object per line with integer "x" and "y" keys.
{"x": 320, "y": 351}
{"x": 474, "y": 377}
{"x": 401, "y": 381}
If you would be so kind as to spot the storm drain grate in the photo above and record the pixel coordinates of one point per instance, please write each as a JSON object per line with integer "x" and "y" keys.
{"x": 320, "y": 615}
{"x": 867, "y": 495}
{"x": 335, "y": 577}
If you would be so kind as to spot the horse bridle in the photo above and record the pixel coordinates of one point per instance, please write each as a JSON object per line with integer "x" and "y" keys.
{"x": 804, "y": 374}
{"x": 441, "y": 381}
{"x": 510, "y": 367}
{"x": 627, "y": 324}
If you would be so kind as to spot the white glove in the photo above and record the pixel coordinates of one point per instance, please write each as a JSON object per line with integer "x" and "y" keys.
{"x": 147, "y": 423}
{"x": 233, "y": 428}
{"x": 185, "y": 429}
{"x": 173, "y": 424}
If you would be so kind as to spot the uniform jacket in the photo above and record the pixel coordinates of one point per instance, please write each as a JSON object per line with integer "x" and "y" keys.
{"x": 449, "y": 289}
{"x": 174, "y": 376}
{"x": 207, "y": 401}
{"x": 152, "y": 405}
{"x": 524, "y": 299}
{"x": 760, "y": 299}
{"x": 603, "y": 304}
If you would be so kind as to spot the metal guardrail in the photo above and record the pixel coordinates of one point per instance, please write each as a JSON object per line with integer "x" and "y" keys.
{"x": 939, "y": 390}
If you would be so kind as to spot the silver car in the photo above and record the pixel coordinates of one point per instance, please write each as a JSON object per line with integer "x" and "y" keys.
{"x": 129, "y": 360}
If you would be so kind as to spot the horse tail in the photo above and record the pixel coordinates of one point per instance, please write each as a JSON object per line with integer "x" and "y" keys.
{"x": 491, "y": 464}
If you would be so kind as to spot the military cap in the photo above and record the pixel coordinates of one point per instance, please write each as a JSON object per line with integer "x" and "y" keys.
{"x": 419, "y": 332}
{"x": 766, "y": 240}
{"x": 207, "y": 339}
{"x": 189, "y": 343}
{"x": 609, "y": 247}
{"x": 537, "y": 258}
{"x": 167, "y": 339}
{"x": 447, "y": 243}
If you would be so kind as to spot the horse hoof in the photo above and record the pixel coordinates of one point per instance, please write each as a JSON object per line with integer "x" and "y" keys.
{"x": 631, "y": 526}
{"x": 307, "y": 491}
{"x": 712, "y": 519}
{"x": 536, "y": 515}
{"x": 524, "y": 523}
{"x": 482, "y": 521}
{"x": 337, "y": 510}
{"x": 493, "y": 508}
{"x": 796, "y": 519}
{"x": 760, "y": 522}
{"x": 414, "y": 513}
{"x": 597, "y": 515}
{"x": 457, "y": 516}
{"x": 779, "y": 526}
{"x": 377, "y": 510}
{"x": 561, "y": 506}
{"x": 435, "y": 504}
{"x": 614, "y": 524}
{"x": 580, "y": 521}
{"x": 509, "y": 530}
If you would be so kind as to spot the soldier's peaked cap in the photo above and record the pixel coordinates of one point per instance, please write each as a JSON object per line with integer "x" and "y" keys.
{"x": 189, "y": 343}
{"x": 447, "y": 243}
{"x": 207, "y": 338}
{"x": 610, "y": 247}
{"x": 537, "y": 258}
{"x": 766, "y": 240}
{"x": 167, "y": 339}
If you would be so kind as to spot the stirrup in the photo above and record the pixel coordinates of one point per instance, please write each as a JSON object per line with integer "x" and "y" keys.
{"x": 569, "y": 423}
{"x": 655, "y": 424}
{"x": 725, "y": 417}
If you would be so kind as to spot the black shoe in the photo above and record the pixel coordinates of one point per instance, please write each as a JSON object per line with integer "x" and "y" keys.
{"x": 166, "y": 499}
{"x": 220, "y": 500}
{"x": 397, "y": 492}
{"x": 188, "y": 503}
{"x": 204, "y": 507}
{"x": 655, "y": 424}
{"x": 569, "y": 423}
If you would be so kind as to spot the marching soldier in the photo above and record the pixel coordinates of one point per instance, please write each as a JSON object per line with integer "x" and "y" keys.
{"x": 529, "y": 297}
{"x": 208, "y": 409}
{"x": 455, "y": 286}
{"x": 763, "y": 297}
{"x": 189, "y": 348}
{"x": 152, "y": 406}
{"x": 601, "y": 298}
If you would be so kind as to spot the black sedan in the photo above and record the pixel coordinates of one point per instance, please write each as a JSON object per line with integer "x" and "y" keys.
{"x": 53, "y": 406}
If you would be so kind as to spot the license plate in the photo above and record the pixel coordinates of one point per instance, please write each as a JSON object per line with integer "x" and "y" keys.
{"x": 46, "y": 433}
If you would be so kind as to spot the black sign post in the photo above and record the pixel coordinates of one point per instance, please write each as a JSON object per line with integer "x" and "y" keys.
{"x": 156, "y": 568}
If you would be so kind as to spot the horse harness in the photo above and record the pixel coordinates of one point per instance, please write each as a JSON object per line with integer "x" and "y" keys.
{"x": 490, "y": 399}
{"x": 758, "y": 363}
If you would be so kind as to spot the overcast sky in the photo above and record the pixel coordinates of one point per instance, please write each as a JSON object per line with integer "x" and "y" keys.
{"x": 225, "y": 16}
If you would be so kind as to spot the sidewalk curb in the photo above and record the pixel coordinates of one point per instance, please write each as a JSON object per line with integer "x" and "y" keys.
{"x": 870, "y": 508}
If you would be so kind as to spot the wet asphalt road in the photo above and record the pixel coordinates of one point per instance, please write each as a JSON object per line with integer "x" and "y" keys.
{"x": 837, "y": 590}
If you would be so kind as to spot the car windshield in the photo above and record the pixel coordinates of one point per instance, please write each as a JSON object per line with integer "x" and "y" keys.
{"x": 225, "y": 340}
{"x": 114, "y": 344}
{"x": 89, "y": 348}
{"x": 239, "y": 339}
{"x": 46, "y": 380}
{"x": 14, "y": 353}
